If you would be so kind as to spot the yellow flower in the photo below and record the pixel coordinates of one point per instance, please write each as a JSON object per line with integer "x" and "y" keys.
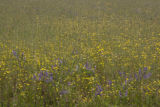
{"x": 22, "y": 93}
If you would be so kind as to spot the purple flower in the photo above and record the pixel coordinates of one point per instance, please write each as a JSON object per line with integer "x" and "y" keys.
{"x": 23, "y": 56}
{"x": 110, "y": 82}
{"x": 120, "y": 73}
{"x": 46, "y": 73}
{"x": 51, "y": 74}
{"x": 15, "y": 53}
{"x": 34, "y": 76}
{"x": 69, "y": 83}
{"x": 146, "y": 76}
{"x": 87, "y": 66}
{"x": 126, "y": 82}
{"x": 51, "y": 78}
{"x": 120, "y": 94}
{"x": 40, "y": 75}
{"x": 145, "y": 69}
{"x": 98, "y": 90}
{"x": 44, "y": 76}
{"x": 124, "y": 87}
{"x": 136, "y": 76}
{"x": 52, "y": 66}
{"x": 63, "y": 92}
{"x": 60, "y": 61}
{"x": 126, "y": 93}
{"x": 140, "y": 72}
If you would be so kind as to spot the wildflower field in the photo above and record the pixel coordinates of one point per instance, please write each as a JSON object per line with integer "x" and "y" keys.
{"x": 79, "y": 53}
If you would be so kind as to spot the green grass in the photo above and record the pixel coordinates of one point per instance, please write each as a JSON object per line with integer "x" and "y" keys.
{"x": 81, "y": 53}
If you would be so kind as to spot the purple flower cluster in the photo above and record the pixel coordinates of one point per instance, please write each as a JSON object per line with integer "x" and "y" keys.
{"x": 18, "y": 56}
{"x": 63, "y": 92}
{"x": 14, "y": 53}
{"x": 98, "y": 90}
{"x": 87, "y": 67}
{"x": 125, "y": 94}
{"x": 143, "y": 74}
{"x": 43, "y": 76}
{"x": 110, "y": 82}
{"x": 60, "y": 61}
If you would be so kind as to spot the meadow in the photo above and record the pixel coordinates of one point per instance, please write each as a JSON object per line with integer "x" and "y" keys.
{"x": 79, "y": 53}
